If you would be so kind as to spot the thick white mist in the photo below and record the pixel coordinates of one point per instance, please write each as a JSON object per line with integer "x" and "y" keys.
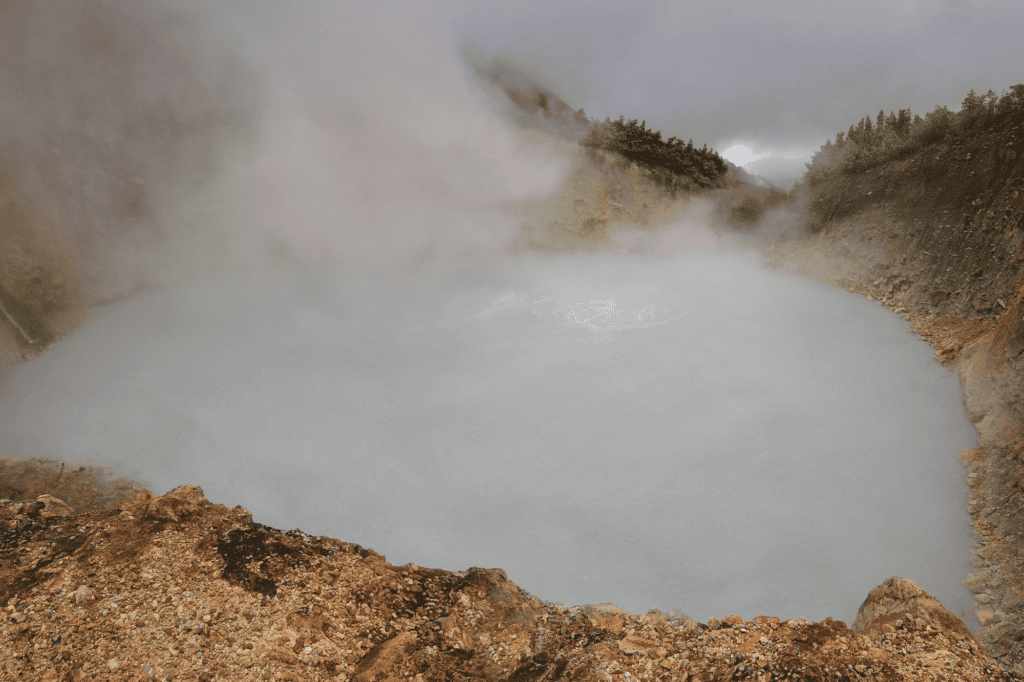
{"x": 338, "y": 337}
{"x": 687, "y": 432}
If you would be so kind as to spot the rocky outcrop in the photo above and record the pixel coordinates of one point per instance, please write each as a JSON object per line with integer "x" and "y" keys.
{"x": 178, "y": 588}
{"x": 899, "y": 601}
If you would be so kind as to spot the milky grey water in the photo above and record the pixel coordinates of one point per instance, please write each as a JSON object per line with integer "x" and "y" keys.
{"x": 685, "y": 432}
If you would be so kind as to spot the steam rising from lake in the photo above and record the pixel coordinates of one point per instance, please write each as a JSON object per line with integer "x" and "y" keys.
{"x": 342, "y": 331}
{"x": 687, "y": 432}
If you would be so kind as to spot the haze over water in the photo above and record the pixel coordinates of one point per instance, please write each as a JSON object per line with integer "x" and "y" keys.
{"x": 338, "y": 332}
{"x": 689, "y": 431}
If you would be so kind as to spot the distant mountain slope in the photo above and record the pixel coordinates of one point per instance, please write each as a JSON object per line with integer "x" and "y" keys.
{"x": 675, "y": 164}
{"x": 538, "y": 106}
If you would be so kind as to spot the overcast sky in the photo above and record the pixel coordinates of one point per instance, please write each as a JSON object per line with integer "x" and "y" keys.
{"x": 785, "y": 75}
{"x": 781, "y": 77}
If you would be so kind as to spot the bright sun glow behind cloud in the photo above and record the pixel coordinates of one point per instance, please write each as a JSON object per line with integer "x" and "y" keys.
{"x": 741, "y": 154}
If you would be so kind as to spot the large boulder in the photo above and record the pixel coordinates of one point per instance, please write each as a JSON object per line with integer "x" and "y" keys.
{"x": 177, "y": 505}
{"x": 898, "y": 601}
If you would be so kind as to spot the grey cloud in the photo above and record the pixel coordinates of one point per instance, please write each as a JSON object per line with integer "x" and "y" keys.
{"x": 789, "y": 74}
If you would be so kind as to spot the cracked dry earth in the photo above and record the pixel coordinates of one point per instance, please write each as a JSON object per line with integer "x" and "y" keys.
{"x": 177, "y": 588}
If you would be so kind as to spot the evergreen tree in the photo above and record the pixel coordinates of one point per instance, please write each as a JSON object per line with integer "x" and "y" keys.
{"x": 903, "y": 121}
{"x": 1012, "y": 101}
{"x": 990, "y": 101}
{"x": 971, "y": 103}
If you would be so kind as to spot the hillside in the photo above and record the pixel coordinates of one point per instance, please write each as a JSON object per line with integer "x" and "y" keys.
{"x": 935, "y": 234}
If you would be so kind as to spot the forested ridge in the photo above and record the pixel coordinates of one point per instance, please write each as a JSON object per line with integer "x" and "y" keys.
{"x": 670, "y": 159}
{"x": 872, "y": 141}
{"x": 672, "y": 163}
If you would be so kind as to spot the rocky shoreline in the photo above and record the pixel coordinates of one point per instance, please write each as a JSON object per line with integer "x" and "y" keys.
{"x": 177, "y": 588}
{"x": 937, "y": 237}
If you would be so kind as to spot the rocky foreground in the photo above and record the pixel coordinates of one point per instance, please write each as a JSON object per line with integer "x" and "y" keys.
{"x": 177, "y": 588}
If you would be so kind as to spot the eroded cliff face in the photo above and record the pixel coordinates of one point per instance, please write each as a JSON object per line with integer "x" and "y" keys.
{"x": 177, "y": 588}
{"x": 937, "y": 237}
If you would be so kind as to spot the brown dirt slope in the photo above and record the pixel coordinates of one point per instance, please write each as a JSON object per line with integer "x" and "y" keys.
{"x": 177, "y": 588}
{"x": 82, "y": 487}
{"x": 938, "y": 237}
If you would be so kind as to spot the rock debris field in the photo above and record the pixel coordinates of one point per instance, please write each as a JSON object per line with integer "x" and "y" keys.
{"x": 178, "y": 588}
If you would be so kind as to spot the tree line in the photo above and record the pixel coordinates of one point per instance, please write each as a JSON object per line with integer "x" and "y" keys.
{"x": 871, "y": 142}
{"x": 671, "y": 159}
